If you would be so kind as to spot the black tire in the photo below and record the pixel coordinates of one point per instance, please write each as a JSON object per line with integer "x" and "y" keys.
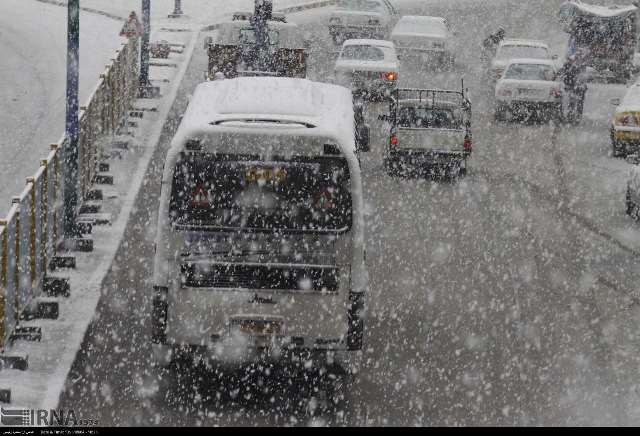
{"x": 464, "y": 170}
{"x": 616, "y": 149}
{"x": 391, "y": 167}
{"x": 631, "y": 208}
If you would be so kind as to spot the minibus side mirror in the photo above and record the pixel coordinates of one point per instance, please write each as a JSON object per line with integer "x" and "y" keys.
{"x": 362, "y": 139}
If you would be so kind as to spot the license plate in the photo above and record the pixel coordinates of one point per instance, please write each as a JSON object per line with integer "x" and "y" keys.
{"x": 262, "y": 175}
{"x": 527, "y": 91}
{"x": 260, "y": 327}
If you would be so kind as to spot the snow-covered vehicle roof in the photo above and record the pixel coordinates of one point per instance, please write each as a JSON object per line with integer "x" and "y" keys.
{"x": 360, "y": 5}
{"x": 631, "y": 100}
{"x": 421, "y": 25}
{"x": 572, "y": 8}
{"x": 387, "y": 61}
{"x": 532, "y": 61}
{"x": 524, "y": 42}
{"x": 272, "y": 106}
{"x": 372, "y": 42}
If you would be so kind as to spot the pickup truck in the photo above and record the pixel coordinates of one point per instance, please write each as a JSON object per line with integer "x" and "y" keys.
{"x": 430, "y": 133}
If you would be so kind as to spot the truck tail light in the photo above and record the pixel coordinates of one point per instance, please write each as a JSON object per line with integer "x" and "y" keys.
{"x": 390, "y": 76}
{"x": 468, "y": 143}
{"x": 555, "y": 93}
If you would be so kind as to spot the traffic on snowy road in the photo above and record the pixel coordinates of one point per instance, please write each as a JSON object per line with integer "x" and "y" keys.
{"x": 368, "y": 213}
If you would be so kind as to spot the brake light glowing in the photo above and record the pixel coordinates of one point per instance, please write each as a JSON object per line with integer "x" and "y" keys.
{"x": 391, "y": 76}
{"x": 393, "y": 140}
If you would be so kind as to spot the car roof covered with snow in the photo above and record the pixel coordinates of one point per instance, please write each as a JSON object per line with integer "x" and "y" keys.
{"x": 421, "y": 25}
{"x": 523, "y": 43}
{"x": 580, "y": 8}
{"x": 270, "y": 106}
{"x": 373, "y": 42}
{"x": 387, "y": 62}
{"x": 532, "y": 61}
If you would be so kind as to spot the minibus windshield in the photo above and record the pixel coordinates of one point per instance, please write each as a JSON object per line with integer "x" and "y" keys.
{"x": 232, "y": 193}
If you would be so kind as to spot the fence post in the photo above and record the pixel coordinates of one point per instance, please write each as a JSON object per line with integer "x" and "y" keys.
{"x": 144, "y": 52}
{"x": 45, "y": 215}
{"x": 32, "y": 229}
{"x": 177, "y": 9}
{"x": 72, "y": 122}
{"x": 3, "y": 282}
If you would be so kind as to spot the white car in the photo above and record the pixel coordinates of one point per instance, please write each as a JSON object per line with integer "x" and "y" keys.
{"x": 529, "y": 88}
{"x": 516, "y": 49}
{"x": 361, "y": 19}
{"x": 429, "y": 38}
{"x": 368, "y": 66}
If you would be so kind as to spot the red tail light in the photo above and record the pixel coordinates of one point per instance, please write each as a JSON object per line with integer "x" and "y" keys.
{"x": 393, "y": 140}
{"x": 468, "y": 143}
{"x": 391, "y": 76}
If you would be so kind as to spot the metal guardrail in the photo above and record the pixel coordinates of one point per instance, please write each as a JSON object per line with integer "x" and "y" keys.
{"x": 31, "y": 232}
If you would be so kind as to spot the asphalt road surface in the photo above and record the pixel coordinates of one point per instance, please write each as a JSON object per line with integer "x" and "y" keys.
{"x": 491, "y": 303}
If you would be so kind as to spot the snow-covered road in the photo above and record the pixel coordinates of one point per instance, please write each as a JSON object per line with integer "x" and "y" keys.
{"x": 489, "y": 304}
{"x": 33, "y": 79}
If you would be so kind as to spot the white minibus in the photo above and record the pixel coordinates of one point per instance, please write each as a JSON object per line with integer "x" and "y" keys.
{"x": 260, "y": 241}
